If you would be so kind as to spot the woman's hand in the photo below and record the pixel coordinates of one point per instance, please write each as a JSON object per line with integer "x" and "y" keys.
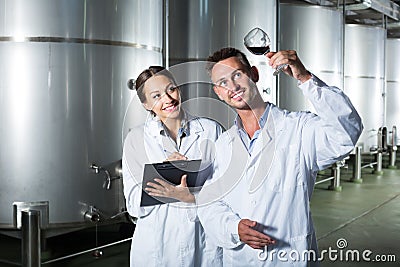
{"x": 176, "y": 156}
{"x": 164, "y": 189}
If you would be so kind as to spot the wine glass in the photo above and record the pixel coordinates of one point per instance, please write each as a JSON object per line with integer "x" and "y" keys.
{"x": 258, "y": 42}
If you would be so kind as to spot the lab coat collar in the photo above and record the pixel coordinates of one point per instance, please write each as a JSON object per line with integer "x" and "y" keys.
{"x": 266, "y": 134}
{"x": 271, "y": 130}
{"x": 195, "y": 128}
{"x": 238, "y": 121}
{"x": 193, "y": 125}
{"x": 155, "y": 127}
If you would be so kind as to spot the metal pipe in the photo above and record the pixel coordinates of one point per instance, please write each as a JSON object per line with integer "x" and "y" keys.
{"x": 335, "y": 183}
{"x": 357, "y": 166}
{"x": 325, "y": 180}
{"x": 378, "y": 169}
{"x": 393, "y": 149}
{"x": 384, "y": 81}
{"x": 369, "y": 165}
{"x": 392, "y": 158}
{"x": 380, "y": 139}
{"x": 384, "y": 139}
{"x": 343, "y": 45}
{"x": 30, "y": 238}
{"x": 89, "y": 250}
{"x": 166, "y": 32}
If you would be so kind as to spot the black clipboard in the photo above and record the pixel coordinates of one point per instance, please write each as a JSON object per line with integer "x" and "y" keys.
{"x": 172, "y": 172}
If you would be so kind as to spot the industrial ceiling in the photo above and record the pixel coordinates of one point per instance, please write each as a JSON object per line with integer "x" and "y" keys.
{"x": 382, "y": 13}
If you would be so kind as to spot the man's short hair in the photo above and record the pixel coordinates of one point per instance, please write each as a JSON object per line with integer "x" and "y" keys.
{"x": 225, "y": 53}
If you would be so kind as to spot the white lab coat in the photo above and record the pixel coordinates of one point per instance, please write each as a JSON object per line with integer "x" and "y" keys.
{"x": 274, "y": 184}
{"x": 168, "y": 234}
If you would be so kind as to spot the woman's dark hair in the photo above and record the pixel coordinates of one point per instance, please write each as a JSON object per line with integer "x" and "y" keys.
{"x": 145, "y": 75}
{"x": 225, "y": 53}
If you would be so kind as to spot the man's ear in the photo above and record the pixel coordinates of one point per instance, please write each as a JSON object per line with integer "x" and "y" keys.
{"x": 216, "y": 90}
{"x": 254, "y": 74}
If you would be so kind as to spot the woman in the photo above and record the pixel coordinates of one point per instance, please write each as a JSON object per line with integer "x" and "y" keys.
{"x": 167, "y": 234}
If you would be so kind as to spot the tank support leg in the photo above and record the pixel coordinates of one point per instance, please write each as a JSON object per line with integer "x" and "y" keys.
{"x": 335, "y": 182}
{"x": 357, "y": 166}
{"x": 392, "y": 157}
{"x": 30, "y": 222}
{"x": 378, "y": 168}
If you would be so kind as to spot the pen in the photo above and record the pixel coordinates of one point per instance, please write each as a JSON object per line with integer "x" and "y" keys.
{"x": 176, "y": 157}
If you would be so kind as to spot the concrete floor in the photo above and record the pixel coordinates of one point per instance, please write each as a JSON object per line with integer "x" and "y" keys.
{"x": 366, "y": 216}
{"x": 348, "y": 223}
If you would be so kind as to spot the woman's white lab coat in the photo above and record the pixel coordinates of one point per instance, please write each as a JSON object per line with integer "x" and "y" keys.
{"x": 274, "y": 184}
{"x": 168, "y": 234}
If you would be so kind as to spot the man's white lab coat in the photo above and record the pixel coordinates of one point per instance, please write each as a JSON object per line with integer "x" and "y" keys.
{"x": 274, "y": 184}
{"x": 168, "y": 234}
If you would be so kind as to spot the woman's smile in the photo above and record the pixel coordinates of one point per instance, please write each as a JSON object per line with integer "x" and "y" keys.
{"x": 170, "y": 108}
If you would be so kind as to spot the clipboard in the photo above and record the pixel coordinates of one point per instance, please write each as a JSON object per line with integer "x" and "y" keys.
{"x": 172, "y": 172}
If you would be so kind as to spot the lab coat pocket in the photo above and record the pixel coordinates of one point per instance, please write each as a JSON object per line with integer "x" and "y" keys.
{"x": 283, "y": 173}
{"x": 287, "y": 167}
{"x": 295, "y": 208}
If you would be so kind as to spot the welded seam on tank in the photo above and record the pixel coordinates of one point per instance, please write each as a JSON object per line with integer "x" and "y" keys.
{"x": 44, "y": 39}
{"x": 358, "y": 217}
{"x": 329, "y": 72}
{"x": 364, "y": 77}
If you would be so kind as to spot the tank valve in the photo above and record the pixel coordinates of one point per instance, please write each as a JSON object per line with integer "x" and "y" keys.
{"x": 115, "y": 174}
{"x": 131, "y": 84}
{"x": 92, "y": 215}
{"x": 107, "y": 181}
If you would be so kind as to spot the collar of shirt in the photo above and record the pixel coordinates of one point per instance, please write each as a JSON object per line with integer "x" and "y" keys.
{"x": 249, "y": 143}
{"x": 183, "y": 129}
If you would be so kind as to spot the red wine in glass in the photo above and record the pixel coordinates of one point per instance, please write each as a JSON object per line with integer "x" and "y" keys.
{"x": 258, "y": 50}
{"x": 258, "y": 42}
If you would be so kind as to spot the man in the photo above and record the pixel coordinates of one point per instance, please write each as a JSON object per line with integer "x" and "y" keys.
{"x": 257, "y": 207}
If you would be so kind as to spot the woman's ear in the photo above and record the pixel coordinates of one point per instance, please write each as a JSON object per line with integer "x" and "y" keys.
{"x": 146, "y": 106}
{"x": 254, "y": 74}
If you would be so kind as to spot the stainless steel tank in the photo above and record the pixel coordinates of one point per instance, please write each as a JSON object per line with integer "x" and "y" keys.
{"x": 197, "y": 28}
{"x": 316, "y": 34}
{"x": 393, "y": 85}
{"x": 63, "y": 99}
{"x": 364, "y": 78}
